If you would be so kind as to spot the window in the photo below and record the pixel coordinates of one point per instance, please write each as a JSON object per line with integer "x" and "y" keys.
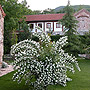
{"x": 57, "y": 25}
{"x": 31, "y": 26}
{"x": 40, "y": 25}
{"x": 48, "y": 25}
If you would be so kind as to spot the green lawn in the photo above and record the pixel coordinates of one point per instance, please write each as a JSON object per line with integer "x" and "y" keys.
{"x": 6, "y": 83}
{"x": 81, "y": 80}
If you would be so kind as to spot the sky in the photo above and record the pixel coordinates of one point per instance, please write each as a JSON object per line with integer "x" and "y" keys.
{"x": 44, "y": 4}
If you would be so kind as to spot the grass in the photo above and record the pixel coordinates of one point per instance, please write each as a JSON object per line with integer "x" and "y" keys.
{"x": 6, "y": 83}
{"x": 80, "y": 80}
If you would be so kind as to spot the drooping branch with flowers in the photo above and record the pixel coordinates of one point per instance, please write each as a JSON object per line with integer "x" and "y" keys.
{"x": 42, "y": 63}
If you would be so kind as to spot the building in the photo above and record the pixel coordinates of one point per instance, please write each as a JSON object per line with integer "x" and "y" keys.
{"x": 83, "y": 16}
{"x": 2, "y": 15}
{"x": 50, "y": 22}
{"x": 45, "y": 21}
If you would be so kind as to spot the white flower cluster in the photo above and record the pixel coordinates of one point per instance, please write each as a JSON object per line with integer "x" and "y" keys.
{"x": 42, "y": 63}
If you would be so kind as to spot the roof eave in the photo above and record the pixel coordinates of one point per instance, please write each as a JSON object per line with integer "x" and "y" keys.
{"x": 2, "y": 11}
{"x": 42, "y": 21}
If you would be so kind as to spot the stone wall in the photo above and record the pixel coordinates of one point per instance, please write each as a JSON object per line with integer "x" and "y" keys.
{"x": 2, "y": 14}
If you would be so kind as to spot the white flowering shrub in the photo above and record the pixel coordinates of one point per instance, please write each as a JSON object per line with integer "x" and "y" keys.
{"x": 42, "y": 63}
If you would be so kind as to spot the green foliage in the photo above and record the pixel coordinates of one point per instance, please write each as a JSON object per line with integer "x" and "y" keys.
{"x": 55, "y": 37}
{"x": 87, "y": 38}
{"x": 36, "y": 12}
{"x": 14, "y": 11}
{"x": 86, "y": 42}
{"x": 48, "y": 11}
{"x": 74, "y": 45}
{"x": 34, "y": 38}
{"x": 76, "y": 8}
{"x": 80, "y": 7}
{"x": 42, "y": 63}
{"x": 7, "y": 41}
{"x": 14, "y": 38}
{"x": 24, "y": 32}
{"x": 69, "y": 22}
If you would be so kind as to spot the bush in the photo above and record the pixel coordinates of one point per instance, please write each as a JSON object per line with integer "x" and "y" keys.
{"x": 55, "y": 37}
{"x": 42, "y": 63}
{"x": 34, "y": 38}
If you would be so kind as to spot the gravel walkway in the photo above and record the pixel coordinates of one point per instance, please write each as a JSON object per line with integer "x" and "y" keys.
{"x": 4, "y": 71}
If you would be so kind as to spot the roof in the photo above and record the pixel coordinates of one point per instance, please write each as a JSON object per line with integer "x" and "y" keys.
{"x": 52, "y": 17}
{"x": 44, "y": 17}
{"x": 82, "y": 10}
{"x": 2, "y": 11}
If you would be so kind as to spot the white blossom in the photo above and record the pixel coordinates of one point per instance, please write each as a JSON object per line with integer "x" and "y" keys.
{"x": 43, "y": 60}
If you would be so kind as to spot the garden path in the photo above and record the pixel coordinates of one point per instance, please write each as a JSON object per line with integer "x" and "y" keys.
{"x": 4, "y": 71}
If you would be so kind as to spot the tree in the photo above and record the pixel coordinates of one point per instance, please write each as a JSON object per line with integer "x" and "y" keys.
{"x": 86, "y": 41}
{"x": 70, "y": 24}
{"x": 14, "y": 11}
{"x": 48, "y": 11}
{"x": 36, "y": 12}
{"x": 61, "y": 11}
{"x": 42, "y": 63}
{"x": 14, "y": 37}
{"x": 24, "y": 32}
{"x": 80, "y": 7}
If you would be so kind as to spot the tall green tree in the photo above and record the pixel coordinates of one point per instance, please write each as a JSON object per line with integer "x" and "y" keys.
{"x": 14, "y": 11}
{"x": 70, "y": 25}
